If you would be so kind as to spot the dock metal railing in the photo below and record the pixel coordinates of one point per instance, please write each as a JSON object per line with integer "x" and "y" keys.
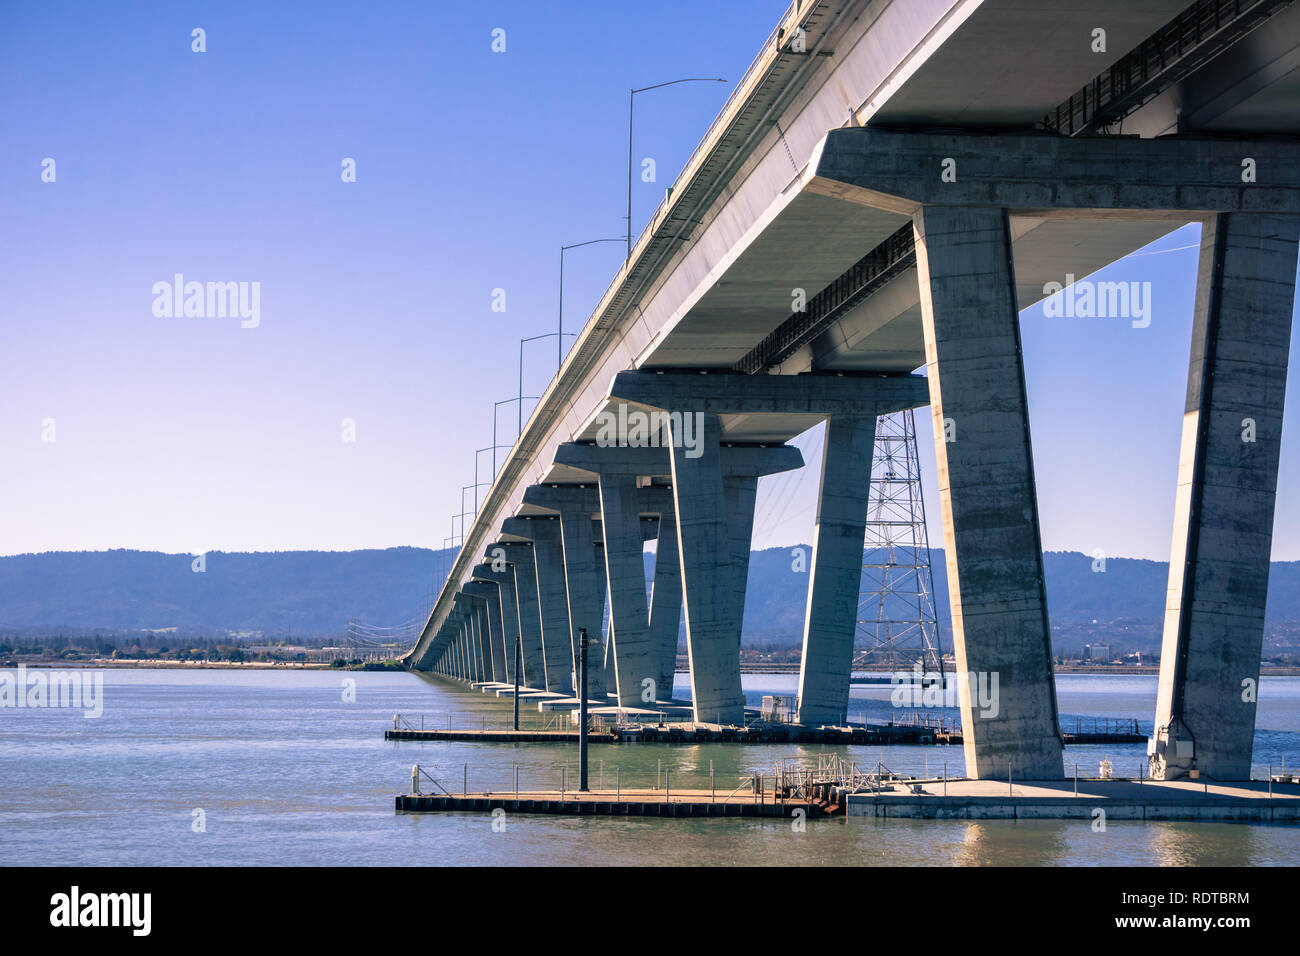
{"x": 1105, "y": 725}
{"x": 668, "y": 785}
{"x": 542, "y": 722}
{"x": 418, "y": 773}
{"x": 789, "y": 779}
{"x": 537, "y": 721}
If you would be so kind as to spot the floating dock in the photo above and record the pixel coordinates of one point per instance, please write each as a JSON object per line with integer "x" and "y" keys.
{"x": 669, "y": 722}
{"x": 625, "y": 803}
{"x": 1119, "y": 799}
{"x": 500, "y": 736}
{"x": 870, "y": 735}
{"x": 1108, "y": 800}
{"x": 693, "y": 734}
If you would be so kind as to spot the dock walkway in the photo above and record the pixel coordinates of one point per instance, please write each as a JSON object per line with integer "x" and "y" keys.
{"x": 624, "y": 803}
{"x": 872, "y": 735}
{"x": 1120, "y": 799}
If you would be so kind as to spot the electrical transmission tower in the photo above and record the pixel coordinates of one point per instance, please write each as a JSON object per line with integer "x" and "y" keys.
{"x": 897, "y": 623}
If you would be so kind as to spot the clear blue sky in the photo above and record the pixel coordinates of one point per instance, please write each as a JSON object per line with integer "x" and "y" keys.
{"x": 473, "y": 167}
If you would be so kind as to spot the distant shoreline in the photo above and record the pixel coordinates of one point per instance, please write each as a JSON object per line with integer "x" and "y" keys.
{"x": 1269, "y": 671}
{"x": 162, "y": 665}
{"x": 1136, "y": 670}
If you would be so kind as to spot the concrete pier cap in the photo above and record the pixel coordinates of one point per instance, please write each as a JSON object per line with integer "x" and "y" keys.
{"x": 732, "y": 393}
{"x": 1182, "y": 177}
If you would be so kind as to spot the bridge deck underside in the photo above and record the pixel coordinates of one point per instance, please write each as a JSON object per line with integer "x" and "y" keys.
{"x": 815, "y": 238}
{"x": 812, "y": 239}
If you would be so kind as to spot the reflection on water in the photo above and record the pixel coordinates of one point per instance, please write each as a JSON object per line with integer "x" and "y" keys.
{"x": 286, "y": 772}
{"x": 1004, "y": 843}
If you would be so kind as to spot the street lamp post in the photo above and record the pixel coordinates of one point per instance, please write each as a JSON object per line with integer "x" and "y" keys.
{"x": 519, "y": 639}
{"x": 531, "y": 338}
{"x": 534, "y": 338}
{"x": 559, "y": 343}
{"x": 582, "y": 710}
{"x": 461, "y": 543}
{"x": 463, "y": 512}
{"x": 479, "y": 484}
{"x": 507, "y": 401}
{"x": 631, "y": 99}
{"x": 447, "y": 543}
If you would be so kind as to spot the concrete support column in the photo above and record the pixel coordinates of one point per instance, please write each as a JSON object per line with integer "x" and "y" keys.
{"x": 740, "y": 492}
{"x": 477, "y": 662}
{"x": 605, "y": 633}
{"x": 576, "y": 506}
{"x": 987, "y": 493}
{"x": 721, "y": 483}
{"x": 503, "y": 654}
{"x": 505, "y": 627}
{"x": 835, "y": 577}
{"x": 705, "y": 549}
{"x": 552, "y": 596}
{"x": 469, "y": 644}
{"x": 1227, "y": 491}
{"x": 456, "y": 641}
{"x": 584, "y": 580}
{"x": 510, "y": 627}
{"x": 630, "y": 504}
{"x": 488, "y": 632}
{"x": 474, "y": 656}
{"x": 533, "y": 670}
{"x": 629, "y": 624}
{"x": 489, "y": 620}
{"x": 665, "y": 605}
{"x": 453, "y": 648}
{"x": 458, "y": 646}
{"x": 463, "y": 643}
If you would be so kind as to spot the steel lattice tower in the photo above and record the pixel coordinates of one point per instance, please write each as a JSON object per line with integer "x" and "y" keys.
{"x": 897, "y": 622}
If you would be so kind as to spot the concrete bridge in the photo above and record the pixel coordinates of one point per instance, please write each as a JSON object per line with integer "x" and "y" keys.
{"x": 889, "y": 184}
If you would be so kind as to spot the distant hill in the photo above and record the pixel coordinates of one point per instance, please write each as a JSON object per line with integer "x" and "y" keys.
{"x": 317, "y": 592}
{"x": 1129, "y": 591}
{"x": 306, "y": 592}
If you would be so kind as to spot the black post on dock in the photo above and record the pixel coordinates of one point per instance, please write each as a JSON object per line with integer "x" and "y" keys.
{"x": 582, "y": 710}
{"x": 519, "y": 639}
